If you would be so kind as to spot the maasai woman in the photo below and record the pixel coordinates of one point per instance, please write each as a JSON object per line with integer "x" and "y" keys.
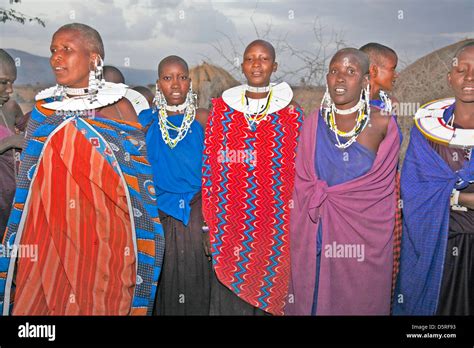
{"x": 138, "y": 101}
{"x": 437, "y": 259}
{"x": 12, "y": 122}
{"x": 383, "y": 74}
{"x": 249, "y": 155}
{"x": 175, "y": 140}
{"x": 85, "y": 206}
{"x": 344, "y": 214}
{"x": 382, "y": 77}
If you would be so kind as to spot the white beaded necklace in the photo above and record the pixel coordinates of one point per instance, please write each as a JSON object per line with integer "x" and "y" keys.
{"x": 355, "y": 108}
{"x": 166, "y": 125}
{"x": 176, "y": 108}
{"x": 252, "y": 117}
{"x": 257, "y": 89}
{"x": 76, "y": 91}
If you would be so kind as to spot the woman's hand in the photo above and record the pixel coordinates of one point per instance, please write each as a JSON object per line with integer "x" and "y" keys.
{"x": 206, "y": 242}
{"x": 466, "y": 200}
{"x": 11, "y": 142}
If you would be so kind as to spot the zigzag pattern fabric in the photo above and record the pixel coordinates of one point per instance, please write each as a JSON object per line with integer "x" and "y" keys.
{"x": 248, "y": 179}
{"x": 100, "y": 246}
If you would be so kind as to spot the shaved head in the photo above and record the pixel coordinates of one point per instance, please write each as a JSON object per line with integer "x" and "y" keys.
{"x": 145, "y": 91}
{"x": 468, "y": 44}
{"x": 262, "y": 43}
{"x": 172, "y": 60}
{"x": 112, "y": 74}
{"x": 361, "y": 58}
{"x": 90, "y": 35}
{"x": 377, "y": 52}
{"x": 6, "y": 61}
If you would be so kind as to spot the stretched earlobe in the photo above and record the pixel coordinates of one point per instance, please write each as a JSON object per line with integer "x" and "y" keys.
{"x": 373, "y": 71}
{"x": 366, "y": 81}
{"x": 94, "y": 61}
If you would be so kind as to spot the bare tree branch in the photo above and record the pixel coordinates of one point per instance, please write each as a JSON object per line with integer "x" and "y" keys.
{"x": 15, "y": 16}
{"x": 308, "y": 65}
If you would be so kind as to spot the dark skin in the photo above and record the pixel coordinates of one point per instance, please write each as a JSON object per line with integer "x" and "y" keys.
{"x": 7, "y": 78}
{"x": 461, "y": 80}
{"x": 383, "y": 74}
{"x": 14, "y": 117}
{"x": 258, "y": 66}
{"x": 146, "y": 93}
{"x": 174, "y": 83}
{"x": 10, "y": 108}
{"x": 112, "y": 74}
{"x": 71, "y": 61}
{"x": 345, "y": 81}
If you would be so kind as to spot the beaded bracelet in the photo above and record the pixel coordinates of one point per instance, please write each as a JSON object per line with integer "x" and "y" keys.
{"x": 454, "y": 201}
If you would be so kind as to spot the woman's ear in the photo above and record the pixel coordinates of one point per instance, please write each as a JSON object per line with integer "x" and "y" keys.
{"x": 373, "y": 71}
{"x": 275, "y": 66}
{"x": 94, "y": 60}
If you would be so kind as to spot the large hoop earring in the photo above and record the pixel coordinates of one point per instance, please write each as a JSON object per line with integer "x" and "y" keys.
{"x": 96, "y": 78}
{"x": 159, "y": 100}
{"x": 191, "y": 97}
{"x": 99, "y": 69}
{"x": 326, "y": 101}
{"x": 386, "y": 101}
{"x": 365, "y": 94}
{"x": 59, "y": 92}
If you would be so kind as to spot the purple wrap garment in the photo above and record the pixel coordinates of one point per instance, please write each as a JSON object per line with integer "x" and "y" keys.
{"x": 357, "y": 215}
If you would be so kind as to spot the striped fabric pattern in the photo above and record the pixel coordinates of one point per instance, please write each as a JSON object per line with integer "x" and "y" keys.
{"x": 397, "y": 234}
{"x": 248, "y": 181}
{"x": 86, "y": 199}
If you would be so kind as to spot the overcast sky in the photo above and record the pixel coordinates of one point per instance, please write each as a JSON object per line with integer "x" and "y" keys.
{"x": 142, "y": 32}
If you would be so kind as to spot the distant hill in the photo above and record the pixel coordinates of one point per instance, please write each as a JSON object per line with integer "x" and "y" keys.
{"x": 35, "y": 70}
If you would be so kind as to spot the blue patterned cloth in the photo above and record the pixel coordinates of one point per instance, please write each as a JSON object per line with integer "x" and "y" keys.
{"x": 379, "y": 104}
{"x": 127, "y": 146}
{"x": 426, "y": 185}
{"x": 177, "y": 172}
